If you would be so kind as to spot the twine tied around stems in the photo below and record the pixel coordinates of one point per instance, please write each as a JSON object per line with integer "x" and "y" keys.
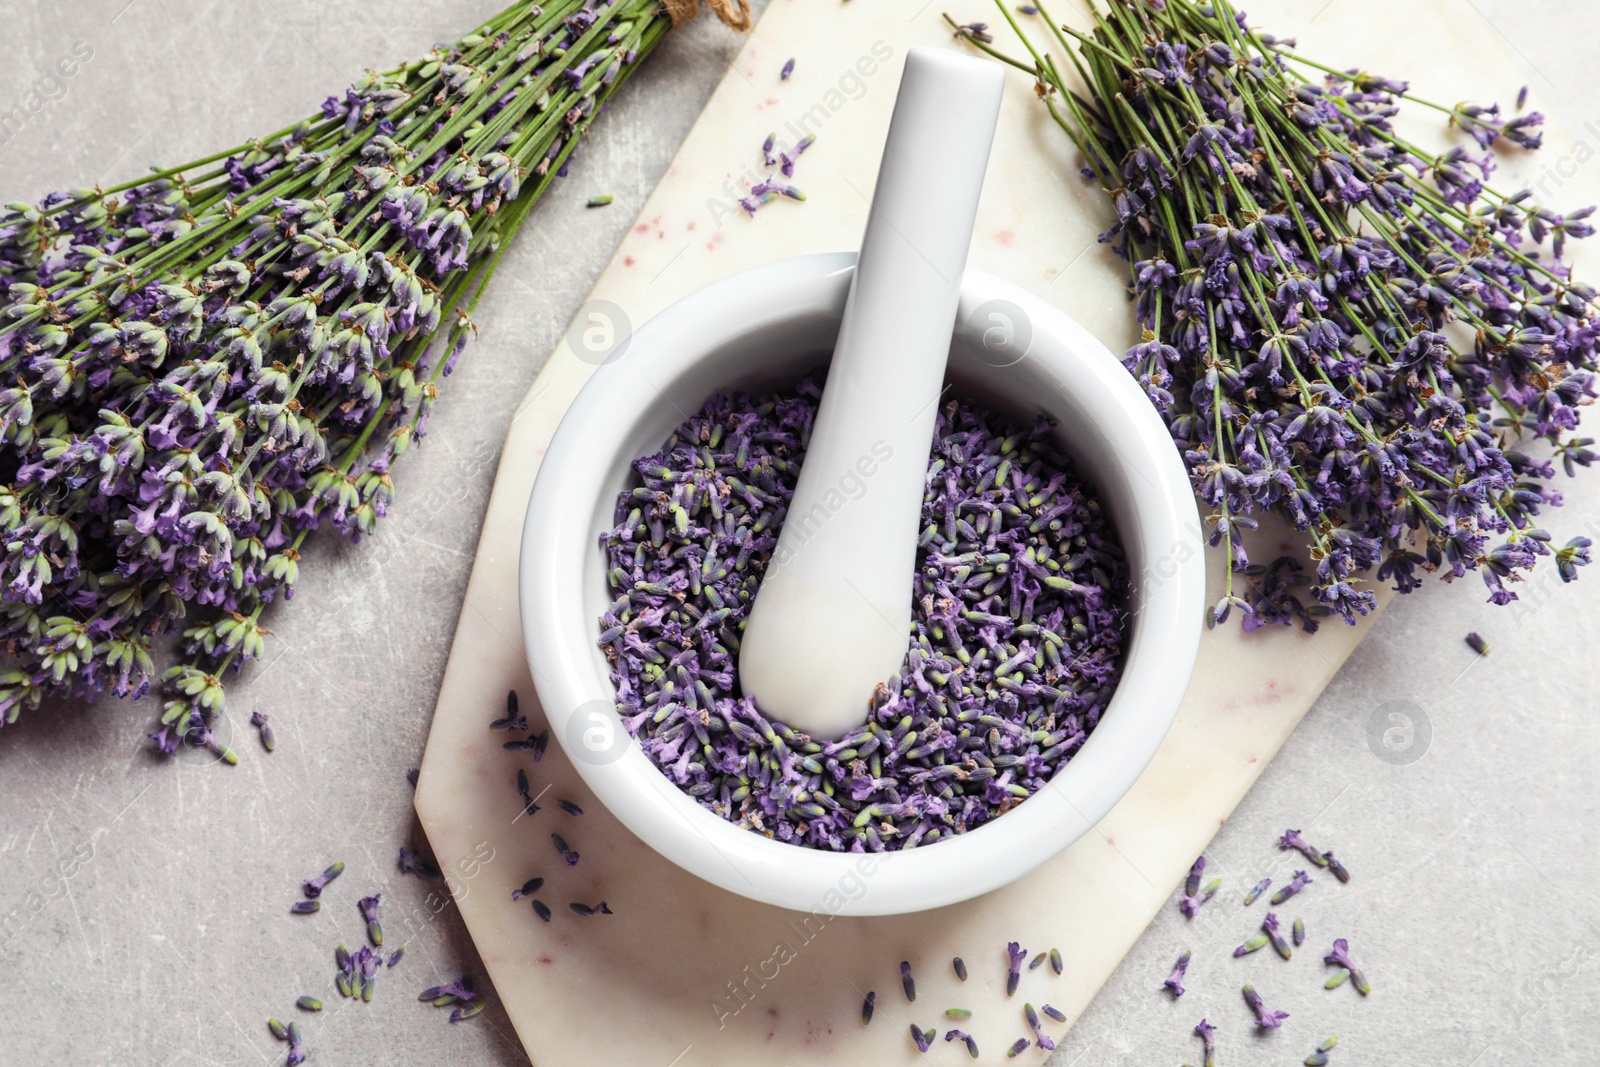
{"x": 735, "y": 13}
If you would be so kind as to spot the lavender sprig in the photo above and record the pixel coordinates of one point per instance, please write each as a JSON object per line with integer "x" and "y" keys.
{"x": 1365, "y": 338}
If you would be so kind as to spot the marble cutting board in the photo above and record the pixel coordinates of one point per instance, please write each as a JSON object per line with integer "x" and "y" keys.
{"x": 687, "y": 975}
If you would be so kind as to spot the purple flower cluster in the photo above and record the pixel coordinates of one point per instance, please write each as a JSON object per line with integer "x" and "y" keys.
{"x": 200, "y": 369}
{"x": 1341, "y": 328}
{"x": 1018, "y": 629}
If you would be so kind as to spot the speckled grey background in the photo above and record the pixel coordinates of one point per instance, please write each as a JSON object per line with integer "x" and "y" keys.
{"x": 142, "y": 903}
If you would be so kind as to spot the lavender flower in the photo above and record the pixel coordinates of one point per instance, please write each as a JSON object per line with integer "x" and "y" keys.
{"x": 1193, "y": 894}
{"x": 1270, "y": 927}
{"x": 529, "y": 888}
{"x": 1056, "y": 963}
{"x": 1339, "y": 957}
{"x": 305, "y": 907}
{"x": 588, "y": 911}
{"x": 412, "y": 863}
{"x": 1343, "y": 329}
{"x": 1297, "y": 883}
{"x": 567, "y": 854}
{"x": 1174, "y": 982}
{"x": 960, "y": 967}
{"x": 1299, "y": 932}
{"x": 369, "y": 912}
{"x": 1256, "y": 891}
{"x": 315, "y": 886}
{"x": 908, "y": 983}
{"x": 1055, "y": 1013}
{"x": 1208, "y": 1038}
{"x": 269, "y": 741}
{"x": 1016, "y": 1048}
{"x": 1015, "y": 954}
{"x": 297, "y": 1045}
{"x": 1477, "y": 644}
{"x": 1266, "y": 1018}
{"x": 868, "y": 1006}
{"x": 1040, "y": 1038}
{"x": 1291, "y": 839}
{"x": 1330, "y": 861}
{"x": 923, "y": 1039}
{"x": 966, "y": 1038}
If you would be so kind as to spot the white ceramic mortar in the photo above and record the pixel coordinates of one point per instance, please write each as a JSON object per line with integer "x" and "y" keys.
{"x": 767, "y": 327}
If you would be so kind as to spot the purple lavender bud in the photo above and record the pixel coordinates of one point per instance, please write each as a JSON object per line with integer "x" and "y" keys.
{"x": 960, "y": 967}
{"x": 1332, "y": 863}
{"x": 1015, "y": 954}
{"x": 1208, "y": 1037}
{"x": 966, "y": 1038}
{"x": 908, "y": 983}
{"x": 581, "y": 909}
{"x": 412, "y": 863}
{"x": 1299, "y": 932}
{"x": 305, "y": 907}
{"x": 923, "y": 1039}
{"x": 1522, "y": 98}
{"x": 567, "y": 854}
{"x": 868, "y": 1006}
{"x": 1270, "y": 927}
{"x": 369, "y": 912}
{"x": 529, "y": 888}
{"x": 1266, "y": 1018}
{"x": 297, "y": 1046}
{"x": 1027, "y": 9}
{"x": 788, "y": 69}
{"x": 541, "y": 909}
{"x": 459, "y": 1014}
{"x": 1339, "y": 956}
{"x": 1016, "y": 1048}
{"x": 1291, "y": 839}
{"x": 1260, "y": 941}
{"x": 1256, "y": 891}
{"x": 1297, "y": 883}
{"x": 569, "y": 807}
{"x": 1194, "y": 894}
{"x": 394, "y": 957}
{"x": 279, "y": 1031}
{"x": 1056, "y": 963}
{"x": 1055, "y": 1013}
{"x": 1174, "y": 982}
{"x": 308, "y": 1004}
{"x": 314, "y": 886}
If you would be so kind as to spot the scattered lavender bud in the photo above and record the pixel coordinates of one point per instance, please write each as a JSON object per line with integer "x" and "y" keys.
{"x": 279, "y": 1031}
{"x": 1040, "y": 1038}
{"x": 461, "y": 991}
{"x": 412, "y": 863}
{"x": 1291, "y": 839}
{"x": 1256, "y": 891}
{"x": 394, "y": 957}
{"x": 923, "y": 1039}
{"x": 1340, "y": 957}
{"x": 971, "y": 1042}
{"x": 960, "y": 967}
{"x": 514, "y": 719}
{"x": 314, "y": 886}
{"x": 1038, "y": 961}
{"x": 599, "y": 201}
{"x": 529, "y": 888}
{"x": 567, "y": 854}
{"x": 1522, "y": 98}
{"x": 907, "y": 983}
{"x": 788, "y": 69}
{"x": 1016, "y": 1048}
{"x": 767, "y": 158}
{"x": 369, "y": 912}
{"x": 1055, "y": 1013}
{"x": 1193, "y": 894}
{"x": 269, "y": 741}
{"x": 467, "y": 1012}
{"x": 1260, "y": 941}
{"x": 1027, "y": 9}
{"x": 1174, "y": 982}
{"x": 305, "y": 907}
{"x": 1478, "y": 644}
{"x": 1297, "y": 883}
{"x": 1299, "y": 932}
{"x": 1208, "y": 1038}
{"x": 1014, "y": 956}
{"x": 541, "y": 909}
{"x": 957, "y": 1013}
{"x": 868, "y": 1006}
{"x": 975, "y": 31}
{"x": 411, "y": 776}
{"x": 540, "y": 743}
{"x": 581, "y": 909}
{"x": 523, "y": 790}
{"x": 297, "y": 1046}
{"x": 308, "y": 1004}
{"x": 1271, "y": 928}
{"x": 569, "y": 807}
{"x": 1319, "y": 1058}
{"x": 1265, "y": 1017}
{"x": 1330, "y": 861}
{"x": 1055, "y": 961}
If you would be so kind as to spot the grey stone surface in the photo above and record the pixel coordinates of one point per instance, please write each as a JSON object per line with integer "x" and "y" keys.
{"x": 142, "y": 904}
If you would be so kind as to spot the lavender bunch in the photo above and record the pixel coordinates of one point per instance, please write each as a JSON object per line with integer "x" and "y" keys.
{"x": 201, "y": 368}
{"x": 1341, "y": 328}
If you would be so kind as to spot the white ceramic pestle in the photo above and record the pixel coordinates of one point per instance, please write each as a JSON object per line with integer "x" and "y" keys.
{"x": 832, "y": 619}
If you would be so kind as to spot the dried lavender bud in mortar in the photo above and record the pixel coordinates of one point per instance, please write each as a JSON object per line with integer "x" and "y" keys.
{"x": 369, "y": 912}
{"x": 1291, "y": 839}
{"x": 1194, "y": 894}
{"x": 1299, "y": 932}
{"x": 907, "y": 983}
{"x": 1055, "y": 1013}
{"x": 528, "y": 805}
{"x": 1332, "y": 863}
{"x": 1174, "y": 982}
{"x": 1015, "y": 954}
{"x": 1016, "y": 1048}
{"x": 314, "y": 886}
{"x": 540, "y": 743}
{"x": 1056, "y": 964}
{"x": 1270, "y": 927}
{"x": 1266, "y": 1018}
{"x": 1297, "y": 883}
{"x": 581, "y": 909}
{"x": 868, "y": 1006}
{"x": 1256, "y": 891}
{"x": 569, "y": 807}
{"x": 567, "y": 854}
{"x": 529, "y": 888}
{"x": 1208, "y": 1037}
{"x": 541, "y": 909}
{"x": 970, "y": 1041}
{"x": 305, "y": 907}
{"x": 923, "y": 1039}
{"x": 308, "y": 1004}
{"x": 960, "y": 967}
{"x": 1339, "y": 956}
{"x": 1478, "y": 644}
{"x": 412, "y": 863}
{"x": 1017, "y": 617}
